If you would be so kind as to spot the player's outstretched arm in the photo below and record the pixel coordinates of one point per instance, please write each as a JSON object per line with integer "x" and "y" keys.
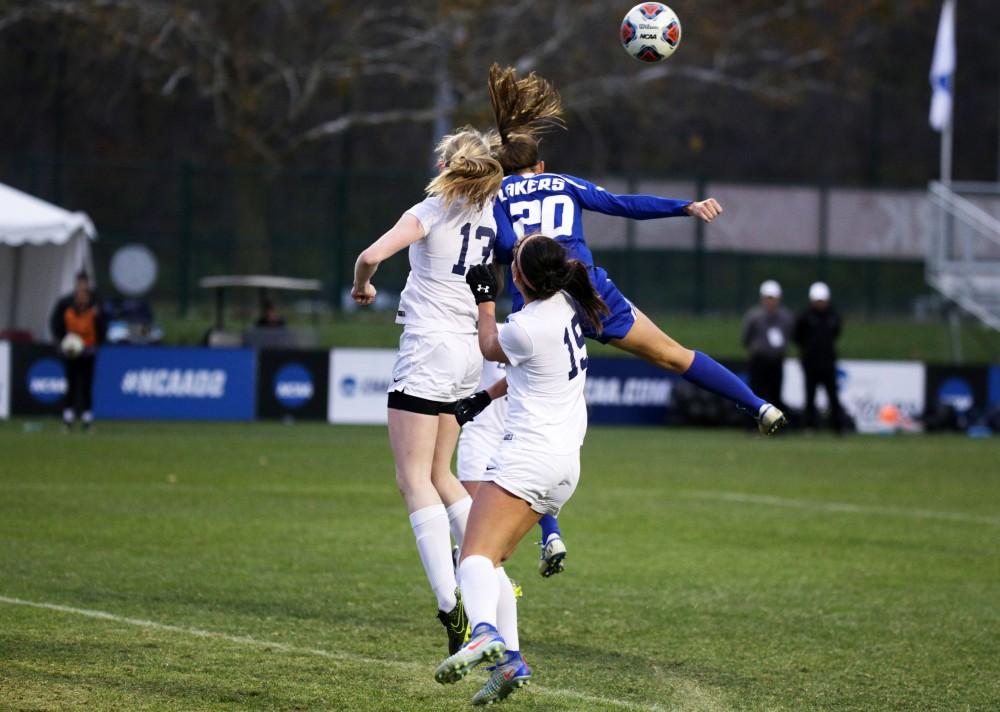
{"x": 407, "y": 230}
{"x": 640, "y": 207}
{"x": 706, "y": 210}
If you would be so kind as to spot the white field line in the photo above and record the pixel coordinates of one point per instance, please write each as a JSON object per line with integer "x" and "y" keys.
{"x": 840, "y": 507}
{"x": 318, "y": 652}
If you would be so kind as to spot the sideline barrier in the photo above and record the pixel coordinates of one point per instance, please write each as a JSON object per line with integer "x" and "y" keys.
{"x": 963, "y": 388}
{"x": 627, "y": 391}
{"x": 864, "y": 388}
{"x": 359, "y": 380}
{"x": 4, "y": 380}
{"x": 349, "y": 386}
{"x": 292, "y": 384}
{"x": 37, "y": 380}
{"x": 175, "y": 383}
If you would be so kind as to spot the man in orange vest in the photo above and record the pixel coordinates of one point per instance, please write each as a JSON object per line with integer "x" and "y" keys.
{"x": 78, "y": 315}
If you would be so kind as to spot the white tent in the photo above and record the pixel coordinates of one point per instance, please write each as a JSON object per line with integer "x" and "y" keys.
{"x": 42, "y": 247}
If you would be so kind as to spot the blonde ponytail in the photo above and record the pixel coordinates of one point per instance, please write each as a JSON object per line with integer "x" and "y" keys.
{"x": 469, "y": 171}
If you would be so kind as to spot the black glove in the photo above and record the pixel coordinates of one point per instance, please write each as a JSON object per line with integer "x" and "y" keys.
{"x": 468, "y": 408}
{"x": 483, "y": 284}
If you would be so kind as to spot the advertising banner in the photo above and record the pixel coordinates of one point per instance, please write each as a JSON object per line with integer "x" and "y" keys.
{"x": 156, "y": 383}
{"x": 37, "y": 380}
{"x": 994, "y": 387}
{"x": 626, "y": 390}
{"x": 864, "y": 388}
{"x": 293, "y": 384}
{"x": 963, "y": 388}
{"x": 4, "y": 379}
{"x": 359, "y": 381}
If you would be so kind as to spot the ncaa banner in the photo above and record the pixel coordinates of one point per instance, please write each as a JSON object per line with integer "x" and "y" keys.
{"x": 293, "y": 384}
{"x": 864, "y": 388}
{"x": 961, "y": 388}
{"x": 626, "y": 390}
{"x": 174, "y": 383}
{"x": 4, "y": 379}
{"x": 359, "y": 383}
{"x": 37, "y": 382}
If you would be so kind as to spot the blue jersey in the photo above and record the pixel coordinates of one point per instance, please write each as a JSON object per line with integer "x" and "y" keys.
{"x": 553, "y": 204}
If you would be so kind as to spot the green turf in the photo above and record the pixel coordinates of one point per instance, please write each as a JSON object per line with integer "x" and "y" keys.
{"x": 707, "y": 571}
{"x": 719, "y": 336}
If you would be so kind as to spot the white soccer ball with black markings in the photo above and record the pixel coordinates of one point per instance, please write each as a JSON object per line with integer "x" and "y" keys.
{"x": 72, "y": 345}
{"x": 651, "y": 32}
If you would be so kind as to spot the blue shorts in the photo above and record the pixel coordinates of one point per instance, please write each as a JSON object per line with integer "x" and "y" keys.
{"x": 613, "y": 326}
{"x": 619, "y": 322}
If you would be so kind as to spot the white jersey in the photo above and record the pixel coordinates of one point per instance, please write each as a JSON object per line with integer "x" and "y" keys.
{"x": 481, "y": 436}
{"x": 545, "y": 380}
{"x": 436, "y": 297}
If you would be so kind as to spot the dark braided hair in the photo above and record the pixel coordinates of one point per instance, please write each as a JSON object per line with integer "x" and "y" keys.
{"x": 544, "y": 270}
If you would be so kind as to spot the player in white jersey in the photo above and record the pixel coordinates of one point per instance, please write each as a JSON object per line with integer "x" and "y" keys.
{"x": 538, "y": 463}
{"x": 481, "y": 437}
{"x": 439, "y": 361}
{"x": 482, "y": 434}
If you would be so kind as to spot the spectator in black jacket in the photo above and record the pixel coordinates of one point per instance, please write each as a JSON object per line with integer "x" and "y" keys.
{"x": 79, "y": 315}
{"x": 816, "y": 331}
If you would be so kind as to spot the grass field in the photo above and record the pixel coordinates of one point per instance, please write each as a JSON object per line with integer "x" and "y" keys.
{"x": 230, "y": 567}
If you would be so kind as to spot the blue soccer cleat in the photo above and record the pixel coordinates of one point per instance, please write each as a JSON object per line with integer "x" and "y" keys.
{"x": 507, "y": 676}
{"x": 485, "y": 645}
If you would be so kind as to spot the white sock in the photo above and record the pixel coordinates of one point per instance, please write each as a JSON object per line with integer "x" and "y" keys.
{"x": 507, "y": 611}
{"x": 68, "y": 415}
{"x": 458, "y": 515}
{"x": 430, "y": 527}
{"x": 480, "y": 589}
{"x": 87, "y": 417}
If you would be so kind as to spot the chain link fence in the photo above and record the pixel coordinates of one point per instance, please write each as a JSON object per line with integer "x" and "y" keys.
{"x": 207, "y": 220}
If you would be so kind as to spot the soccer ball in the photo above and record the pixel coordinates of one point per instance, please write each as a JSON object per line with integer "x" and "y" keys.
{"x": 72, "y": 345}
{"x": 651, "y": 32}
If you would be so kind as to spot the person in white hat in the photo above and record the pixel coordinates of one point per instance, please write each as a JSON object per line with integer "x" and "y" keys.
{"x": 816, "y": 332}
{"x": 767, "y": 329}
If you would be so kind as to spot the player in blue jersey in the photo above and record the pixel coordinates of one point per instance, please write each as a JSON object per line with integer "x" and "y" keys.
{"x": 551, "y": 203}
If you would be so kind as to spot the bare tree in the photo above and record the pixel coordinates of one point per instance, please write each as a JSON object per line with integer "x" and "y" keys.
{"x": 270, "y": 67}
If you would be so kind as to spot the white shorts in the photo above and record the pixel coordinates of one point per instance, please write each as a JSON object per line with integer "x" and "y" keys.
{"x": 545, "y": 481}
{"x": 480, "y": 441}
{"x": 437, "y": 366}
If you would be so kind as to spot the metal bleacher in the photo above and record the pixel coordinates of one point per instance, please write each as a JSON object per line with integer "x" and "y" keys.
{"x": 963, "y": 254}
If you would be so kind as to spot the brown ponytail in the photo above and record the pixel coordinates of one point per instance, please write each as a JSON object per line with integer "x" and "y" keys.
{"x": 545, "y": 270}
{"x": 522, "y": 109}
{"x": 469, "y": 171}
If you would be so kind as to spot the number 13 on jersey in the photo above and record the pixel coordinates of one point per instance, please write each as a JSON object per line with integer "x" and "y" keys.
{"x": 482, "y": 233}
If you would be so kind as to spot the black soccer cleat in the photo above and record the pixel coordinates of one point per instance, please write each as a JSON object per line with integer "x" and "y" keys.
{"x": 456, "y": 622}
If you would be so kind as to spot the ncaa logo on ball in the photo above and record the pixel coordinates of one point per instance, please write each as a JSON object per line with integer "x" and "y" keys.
{"x": 650, "y": 32}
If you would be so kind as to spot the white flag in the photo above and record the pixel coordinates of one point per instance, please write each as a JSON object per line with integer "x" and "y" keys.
{"x": 943, "y": 69}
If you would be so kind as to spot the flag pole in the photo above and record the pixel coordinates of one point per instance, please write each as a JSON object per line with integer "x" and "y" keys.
{"x": 948, "y": 135}
{"x": 942, "y": 76}
{"x": 947, "y": 144}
